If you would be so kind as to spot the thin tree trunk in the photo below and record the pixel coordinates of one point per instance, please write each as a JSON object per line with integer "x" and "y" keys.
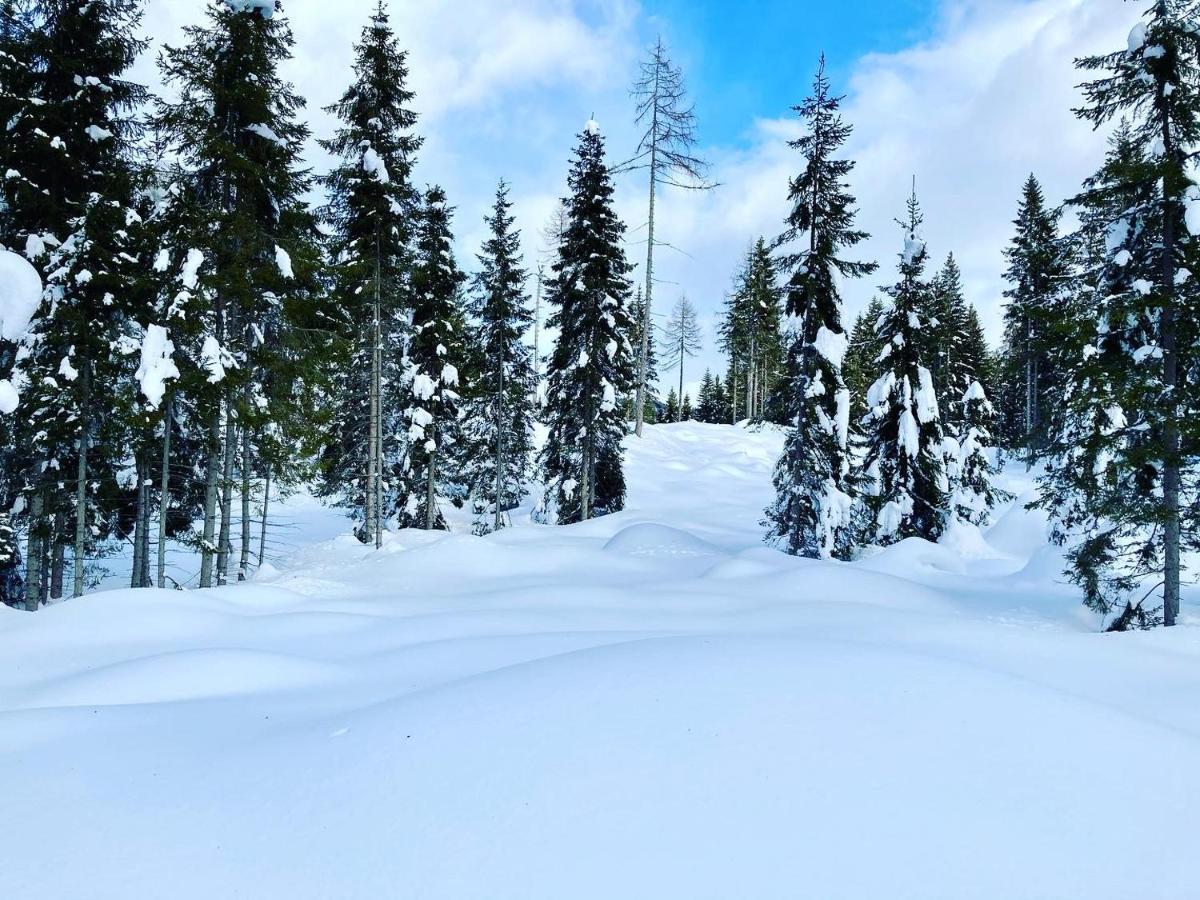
{"x": 211, "y": 487}
{"x": 164, "y": 500}
{"x": 57, "y": 550}
{"x": 135, "y": 577}
{"x": 1170, "y": 430}
{"x": 262, "y": 534}
{"x": 244, "y": 557}
{"x": 431, "y": 493}
{"x": 144, "y": 574}
{"x": 537, "y": 334}
{"x": 33, "y": 555}
{"x": 225, "y": 542}
{"x": 500, "y": 460}
{"x": 644, "y": 354}
{"x": 81, "y": 487}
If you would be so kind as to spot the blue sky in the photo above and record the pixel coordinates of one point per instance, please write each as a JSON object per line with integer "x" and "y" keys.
{"x": 969, "y": 96}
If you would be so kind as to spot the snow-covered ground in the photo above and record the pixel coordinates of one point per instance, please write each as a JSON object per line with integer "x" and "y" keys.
{"x": 652, "y": 706}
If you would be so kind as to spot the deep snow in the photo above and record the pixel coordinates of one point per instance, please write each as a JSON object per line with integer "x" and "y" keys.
{"x": 651, "y": 706}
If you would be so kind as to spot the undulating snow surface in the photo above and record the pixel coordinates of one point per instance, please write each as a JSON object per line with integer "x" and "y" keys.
{"x": 652, "y": 706}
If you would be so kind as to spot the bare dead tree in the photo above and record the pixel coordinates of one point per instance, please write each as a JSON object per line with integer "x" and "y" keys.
{"x": 666, "y": 150}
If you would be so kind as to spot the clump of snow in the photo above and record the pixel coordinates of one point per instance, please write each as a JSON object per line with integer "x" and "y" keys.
{"x": 20, "y": 294}
{"x": 283, "y": 262}
{"x": 831, "y": 345}
{"x": 157, "y": 365}
{"x": 592, "y": 126}
{"x": 9, "y": 398}
{"x": 265, "y": 8}
{"x": 190, "y": 276}
{"x": 374, "y": 165}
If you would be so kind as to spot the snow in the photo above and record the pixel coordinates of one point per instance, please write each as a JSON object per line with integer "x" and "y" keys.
{"x": 157, "y": 365}
{"x": 283, "y": 261}
{"x": 1137, "y": 37}
{"x": 9, "y": 398}
{"x": 265, "y": 8}
{"x": 212, "y": 359}
{"x": 374, "y": 165}
{"x": 649, "y": 705}
{"x": 20, "y": 294}
{"x": 831, "y": 345}
{"x": 592, "y": 126}
{"x": 190, "y": 275}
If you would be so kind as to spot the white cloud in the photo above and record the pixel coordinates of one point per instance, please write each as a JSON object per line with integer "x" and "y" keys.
{"x": 970, "y": 112}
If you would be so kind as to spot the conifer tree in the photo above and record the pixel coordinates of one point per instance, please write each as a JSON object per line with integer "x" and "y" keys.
{"x": 750, "y": 331}
{"x": 905, "y": 449}
{"x": 686, "y": 413}
{"x": 499, "y": 418}
{"x": 707, "y": 400}
{"x": 593, "y": 362}
{"x": 975, "y": 494}
{"x": 248, "y": 245}
{"x": 671, "y": 407}
{"x": 372, "y": 211}
{"x": 682, "y": 337}
{"x": 861, "y": 367}
{"x": 72, "y": 201}
{"x": 435, "y": 363}
{"x": 811, "y": 515}
{"x": 641, "y": 318}
{"x": 1036, "y": 275}
{"x": 1126, "y": 410}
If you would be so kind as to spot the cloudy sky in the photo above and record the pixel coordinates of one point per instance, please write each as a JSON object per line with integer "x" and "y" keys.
{"x": 968, "y": 96}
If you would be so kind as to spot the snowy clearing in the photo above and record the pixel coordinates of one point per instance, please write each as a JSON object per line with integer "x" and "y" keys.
{"x": 648, "y": 706}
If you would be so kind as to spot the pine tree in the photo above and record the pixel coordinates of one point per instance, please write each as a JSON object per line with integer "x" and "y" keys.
{"x": 681, "y": 337}
{"x": 19, "y": 113}
{"x": 750, "y": 332}
{"x": 905, "y": 458}
{"x": 249, "y": 327}
{"x": 975, "y": 495}
{"x": 707, "y": 400}
{"x": 436, "y": 359}
{"x": 861, "y": 367}
{"x": 811, "y": 515}
{"x": 1126, "y": 411}
{"x": 1036, "y": 275}
{"x": 499, "y": 420}
{"x": 73, "y": 201}
{"x": 372, "y": 212}
{"x": 593, "y": 362}
{"x": 686, "y": 413}
{"x": 640, "y": 315}
{"x": 671, "y": 408}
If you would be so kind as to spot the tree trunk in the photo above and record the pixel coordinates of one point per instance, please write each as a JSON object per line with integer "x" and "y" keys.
{"x": 33, "y": 555}
{"x": 225, "y": 542}
{"x": 431, "y": 492}
{"x": 644, "y": 354}
{"x": 164, "y": 500}
{"x": 262, "y": 535}
{"x": 57, "y": 549}
{"x": 139, "y": 520}
{"x": 244, "y": 557}
{"x": 81, "y": 487}
{"x": 211, "y": 488}
{"x": 500, "y": 460}
{"x": 1170, "y": 427}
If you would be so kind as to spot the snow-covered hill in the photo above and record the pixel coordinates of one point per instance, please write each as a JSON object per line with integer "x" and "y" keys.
{"x": 652, "y": 706}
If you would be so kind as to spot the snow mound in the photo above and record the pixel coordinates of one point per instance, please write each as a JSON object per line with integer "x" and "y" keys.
{"x": 20, "y": 294}
{"x": 649, "y": 539}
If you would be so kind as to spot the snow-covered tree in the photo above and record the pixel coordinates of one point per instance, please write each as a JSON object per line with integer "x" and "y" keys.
{"x": 372, "y": 211}
{"x": 907, "y": 492}
{"x": 975, "y": 494}
{"x": 593, "y": 362}
{"x": 1121, "y": 480}
{"x": 436, "y": 361}
{"x": 811, "y": 515}
{"x": 242, "y": 234}
{"x": 499, "y": 418}
{"x": 861, "y": 366}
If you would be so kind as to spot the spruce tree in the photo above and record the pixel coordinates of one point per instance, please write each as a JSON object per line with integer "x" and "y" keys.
{"x": 641, "y": 317}
{"x": 1126, "y": 410}
{"x": 707, "y": 401}
{"x": 72, "y": 204}
{"x": 437, "y": 354}
{"x": 372, "y": 212}
{"x": 251, "y": 322}
{"x": 686, "y": 413}
{"x": 671, "y": 407}
{"x": 975, "y": 494}
{"x": 907, "y": 495}
{"x": 1036, "y": 273}
{"x": 861, "y": 367}
{"x": 499, "y": 418}
{"x": 811, "y": 515}
{"x": 593, "y": 362}
{"x": 750, "y": 331}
